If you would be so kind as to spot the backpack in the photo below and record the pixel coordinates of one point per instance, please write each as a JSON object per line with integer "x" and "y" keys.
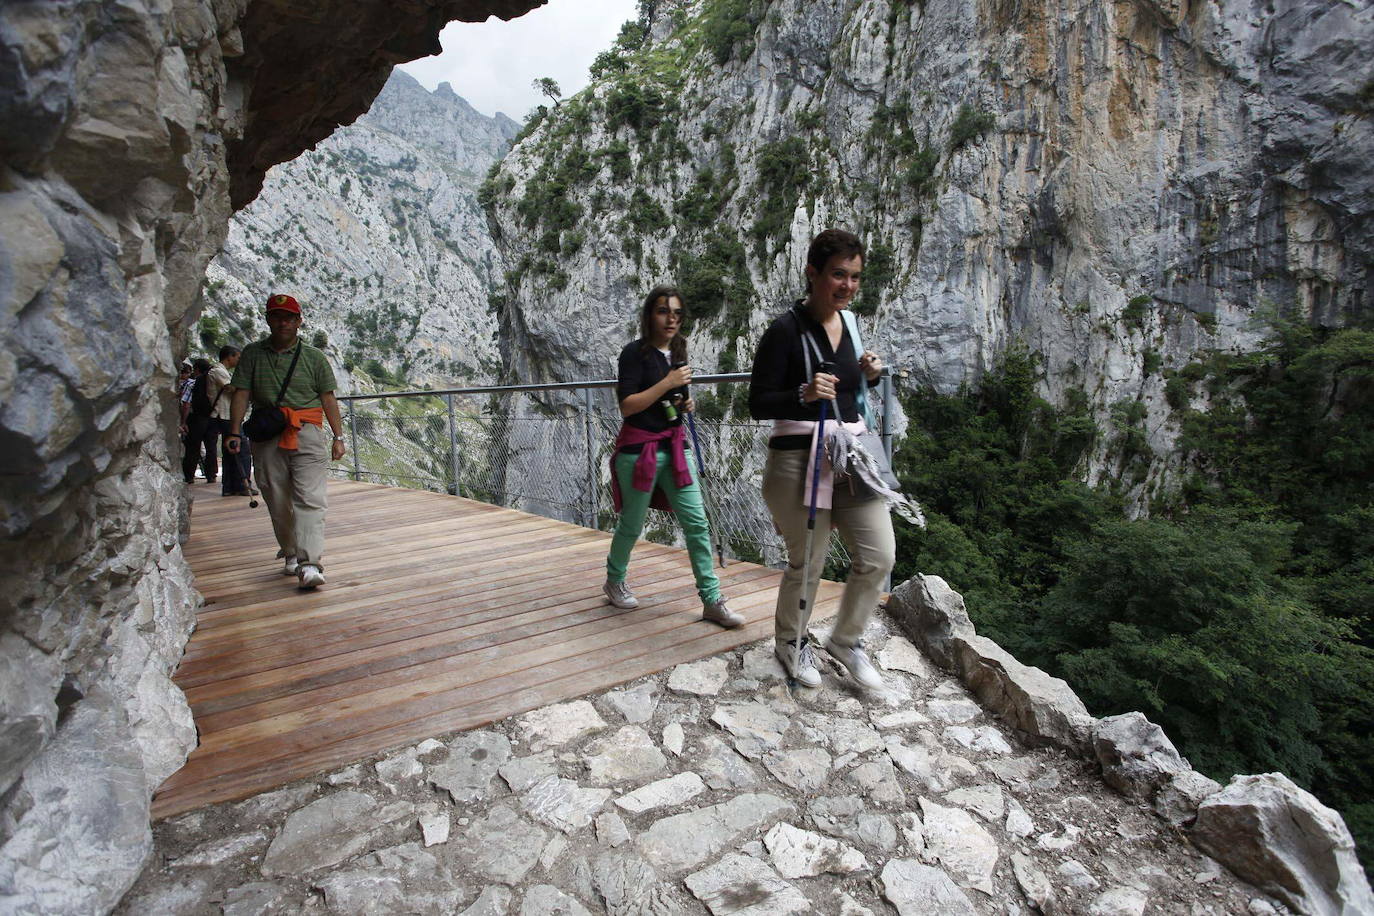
{"x": 201, "y": 405}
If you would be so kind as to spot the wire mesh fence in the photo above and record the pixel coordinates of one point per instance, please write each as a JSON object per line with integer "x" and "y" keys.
{"x": 546, "y": 450}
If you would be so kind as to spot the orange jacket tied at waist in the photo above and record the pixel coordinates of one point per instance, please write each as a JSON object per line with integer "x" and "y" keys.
{"x": 295, "y": 419}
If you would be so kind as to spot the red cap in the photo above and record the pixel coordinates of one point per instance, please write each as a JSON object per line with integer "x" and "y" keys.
{"x": 278, "y": 302}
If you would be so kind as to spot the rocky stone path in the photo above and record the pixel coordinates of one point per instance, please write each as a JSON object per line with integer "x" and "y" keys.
{"x": 706, "y": 788}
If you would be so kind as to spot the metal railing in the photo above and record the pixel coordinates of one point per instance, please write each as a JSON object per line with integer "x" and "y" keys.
{"x": 545, "y": 449}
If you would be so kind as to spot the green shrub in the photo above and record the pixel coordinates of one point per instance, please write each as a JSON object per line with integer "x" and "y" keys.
{"x": 879, "y": 269}
{"x": 635, "y": 103}
{"x": 714, "y": 278}
{"x": 645, "y": 214}
{"x": 727, "y": 26}
{"x": 1178, "y": 393}
{"x": 1136, "y": 309}
{"x": 784, "y": 175}
{"x": 617, "y": 156}
{"x": 210, "y": 333}
{"x": 920, "y": 173}
{"x": 969, "y": 124}
{"x": 1151, "y": 361}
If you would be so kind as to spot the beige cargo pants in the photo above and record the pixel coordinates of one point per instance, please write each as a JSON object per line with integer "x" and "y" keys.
{"x": 865, "y": 527}
{"x": 293, "y": 486}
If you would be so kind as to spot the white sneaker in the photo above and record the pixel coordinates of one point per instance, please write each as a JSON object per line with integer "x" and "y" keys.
{"x": 311, "y": 576}
{"x": 292, "y": 567}
{"x": 618, "y": 593}
{"x": 717, "y": 612}
{"x": 804, "y": 672}
{"x": 855, "y": 661}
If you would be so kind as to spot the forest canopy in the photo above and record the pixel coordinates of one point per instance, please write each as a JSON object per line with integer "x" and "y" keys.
{"x": 1238, "y": 612}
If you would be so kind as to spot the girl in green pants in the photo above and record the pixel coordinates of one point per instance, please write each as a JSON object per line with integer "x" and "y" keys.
{"x": 649, "y": 463}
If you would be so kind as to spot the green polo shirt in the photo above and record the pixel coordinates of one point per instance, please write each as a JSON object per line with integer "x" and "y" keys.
{"x": 262, "y": 369}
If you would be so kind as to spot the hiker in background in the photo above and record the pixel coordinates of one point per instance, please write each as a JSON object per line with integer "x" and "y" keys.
{"x": 291, "y": 387}
{"x": 649, "y": 464}
{"x": 183, "y": 376}
{"x": 787, "y": 387}
{"x": 200, "y": 436}
{"x": 237, "y": 468}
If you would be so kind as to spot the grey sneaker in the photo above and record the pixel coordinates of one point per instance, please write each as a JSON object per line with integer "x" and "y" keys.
{"x": 717, "y": 612}
{"x": 804, "y": 671}
{"x": 291, "y": 568}
{"x": 618, "y": 593}
{"x": 311, "y": 575}
{"x": 855, "y": 661}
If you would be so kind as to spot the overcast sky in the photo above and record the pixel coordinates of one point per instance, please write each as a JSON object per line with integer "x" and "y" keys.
{"x": 492, "y": 63}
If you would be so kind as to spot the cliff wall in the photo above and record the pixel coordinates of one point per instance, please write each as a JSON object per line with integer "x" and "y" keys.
{"x": 129, "y": 131}
{"x": 379, "y": 233}
{"x": 1118, "y": 185}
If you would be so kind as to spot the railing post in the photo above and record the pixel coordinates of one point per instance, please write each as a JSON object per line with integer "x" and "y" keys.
{"x": 591, "y": 460}
{"x": 353, "y": 441}
{"x": 887, "y": 440}
{"x": 452, "y": 445}
{"x": 887, "y": 413}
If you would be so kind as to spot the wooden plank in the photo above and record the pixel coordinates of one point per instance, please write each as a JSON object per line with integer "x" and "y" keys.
{"x": 440, "y": 614}
{"x": 364, "y": 669}
{"x": 361, "y": 725}
{"x": 406, "y": 613}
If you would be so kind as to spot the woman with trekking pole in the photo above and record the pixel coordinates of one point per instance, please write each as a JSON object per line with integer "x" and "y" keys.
{"x": 810, "y": 377}
{"x": 649, "y": 463}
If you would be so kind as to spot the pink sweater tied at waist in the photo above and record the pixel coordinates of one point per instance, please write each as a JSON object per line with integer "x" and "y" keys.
{"x": 808, "y": 428}
{"x": 646, "y": 466}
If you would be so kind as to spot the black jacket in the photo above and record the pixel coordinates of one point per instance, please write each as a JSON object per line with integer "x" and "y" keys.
{"x": 639, "y": 369}
{"x": 780, "y": 369}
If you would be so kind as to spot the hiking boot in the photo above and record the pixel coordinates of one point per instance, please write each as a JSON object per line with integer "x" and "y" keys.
{"x": 311, "y": 576}
{"x": 618, "y": 593}
{"x": 717, "y": 612}
{"x": 292, "y": 567}
{"x": 855, "y": 660}
{"x": 805, "y": 672}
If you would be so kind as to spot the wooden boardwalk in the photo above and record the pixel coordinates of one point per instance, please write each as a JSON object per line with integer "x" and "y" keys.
{"x": 440, "y": 614}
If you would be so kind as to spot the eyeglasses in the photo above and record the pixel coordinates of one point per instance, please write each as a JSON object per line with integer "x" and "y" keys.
{"x": 664, "y": 310}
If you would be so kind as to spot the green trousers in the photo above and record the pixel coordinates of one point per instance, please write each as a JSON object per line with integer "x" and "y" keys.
{"x": 687, "y": 506}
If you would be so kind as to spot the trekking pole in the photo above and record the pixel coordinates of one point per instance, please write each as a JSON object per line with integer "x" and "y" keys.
{"x": 805, "y": 606}
{"x": 701, "y": 484}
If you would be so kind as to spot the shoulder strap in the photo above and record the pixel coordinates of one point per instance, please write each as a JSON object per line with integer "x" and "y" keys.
{"x": 811, "y": 351}
{"x": 852, "y": 324}
{"x": 287, "y": 381}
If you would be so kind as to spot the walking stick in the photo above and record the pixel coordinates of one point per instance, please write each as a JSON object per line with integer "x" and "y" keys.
{"x": 701, "y": 484}
{"x": 805, "y": 605}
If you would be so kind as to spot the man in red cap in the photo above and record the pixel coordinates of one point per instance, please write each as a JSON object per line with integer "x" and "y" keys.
{"x": 284, "y": 372}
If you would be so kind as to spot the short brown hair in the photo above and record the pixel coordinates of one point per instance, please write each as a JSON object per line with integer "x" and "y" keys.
{"x": 828, "y": 244}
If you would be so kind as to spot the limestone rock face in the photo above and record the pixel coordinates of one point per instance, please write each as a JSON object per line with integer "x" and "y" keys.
{"x": 305, "y": 70}
{"x": 1138, "y": 759}
{"x": 82, "y": 806}
{"x": 121, "y": 124}
{"x": 1277, "y": 836}
{"x": 1115, "y": 185}
{"x": 1042, "y": 707}
{"x": 378, "y": 232}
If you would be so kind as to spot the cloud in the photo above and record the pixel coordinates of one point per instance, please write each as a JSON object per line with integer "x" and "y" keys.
{"x": 492, "y": 63}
